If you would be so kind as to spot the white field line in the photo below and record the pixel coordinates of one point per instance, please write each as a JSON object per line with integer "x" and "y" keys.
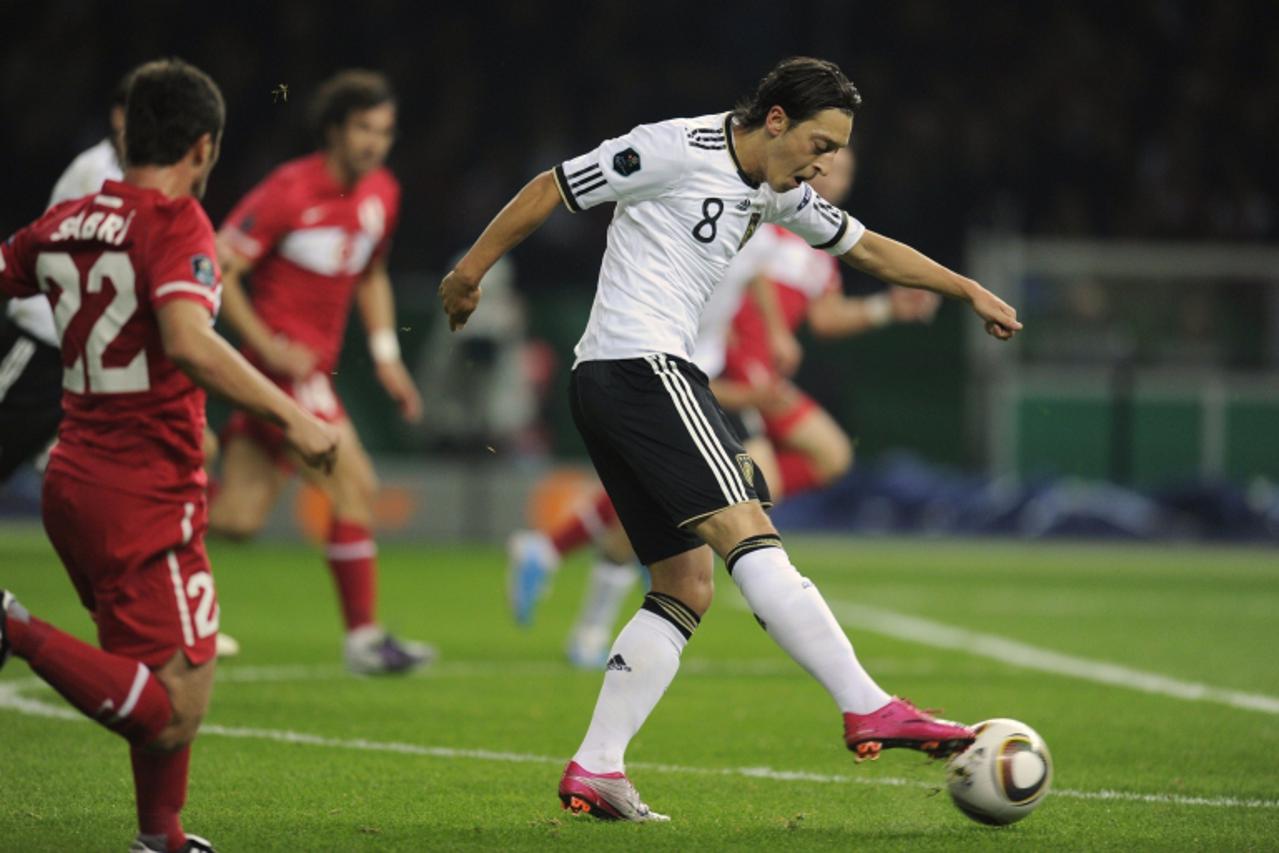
{"x": 11, "y": 700}
{"x": 927, "y": 632}
{"x": 243, "y": 673}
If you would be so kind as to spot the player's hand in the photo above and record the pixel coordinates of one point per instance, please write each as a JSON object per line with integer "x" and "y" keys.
{"x": 401, "y": 388}
{"x": 284, "y": 357}
{"x": 912, "y": 305}
{"x": 786, "y": 351}
{"x": 460, "y": 297}
{"x": 314, "y": 440}
{"x": 1001, "y": 318}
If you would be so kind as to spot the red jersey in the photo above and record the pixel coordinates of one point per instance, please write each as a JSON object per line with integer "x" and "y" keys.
{"x": 799, "y": 273}
{"x": 312, "y": 240}
{"x": 133, "y": 421}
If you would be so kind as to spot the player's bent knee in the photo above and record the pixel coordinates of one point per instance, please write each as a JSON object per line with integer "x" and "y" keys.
{"x": 237, "y": 527}
{"x": 180, "y": 732}
{"x": 696, "y": 590}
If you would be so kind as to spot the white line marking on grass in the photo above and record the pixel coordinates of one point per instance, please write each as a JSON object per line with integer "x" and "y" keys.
{"x": 930, "y": 633}
{"x": 11, "y": 700}
{"x": 241, "y": 673}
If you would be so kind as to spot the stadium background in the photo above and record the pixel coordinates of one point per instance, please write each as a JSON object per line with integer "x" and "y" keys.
{"x": 1149, "y": 121}
{"x": 1056, "y": 131}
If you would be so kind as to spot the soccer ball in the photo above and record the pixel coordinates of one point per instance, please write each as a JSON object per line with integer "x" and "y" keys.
{"x": 1003, "y": 776}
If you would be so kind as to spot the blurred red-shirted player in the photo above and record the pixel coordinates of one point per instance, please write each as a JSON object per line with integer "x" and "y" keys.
{"x": 131, "y": 273}
{"x": 314, "y": 236}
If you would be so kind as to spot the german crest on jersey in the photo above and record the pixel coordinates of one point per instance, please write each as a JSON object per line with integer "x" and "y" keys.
{"x": 203, "y": 270}
{"x": 750, "y": 229}
{"x": 626, "y": 163}
{"x": 748, "y": 468}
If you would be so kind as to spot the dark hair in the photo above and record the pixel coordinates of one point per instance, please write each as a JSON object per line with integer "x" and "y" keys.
{"x": 803, "y": 87}
{"x": 171, "y": 104}
{"x": 346, "y": 92}
{"x": 120, "y": 94}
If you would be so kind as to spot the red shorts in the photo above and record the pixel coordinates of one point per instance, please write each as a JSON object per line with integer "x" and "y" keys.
{"x": 315, "y": 394}
{"x": 139, "y": 566}
{"x": 754, "y": 365}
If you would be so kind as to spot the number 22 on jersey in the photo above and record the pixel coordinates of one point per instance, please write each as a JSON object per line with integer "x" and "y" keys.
{"x": 89, "y": 374}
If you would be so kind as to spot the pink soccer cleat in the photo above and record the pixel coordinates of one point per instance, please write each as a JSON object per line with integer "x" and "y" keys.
{"x": 607, "y": 796}
{"x": 901, "y": 724}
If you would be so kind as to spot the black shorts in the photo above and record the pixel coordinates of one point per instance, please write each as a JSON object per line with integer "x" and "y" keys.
{"x": 662, "y": 448}
{"x": 30, "y": 397}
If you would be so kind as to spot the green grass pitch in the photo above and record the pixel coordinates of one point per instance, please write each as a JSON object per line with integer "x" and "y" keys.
{"x": 300, "y": 756}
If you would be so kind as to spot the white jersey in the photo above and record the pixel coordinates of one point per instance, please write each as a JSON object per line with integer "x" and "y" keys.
{"x": 722, "y": 306}
{"x": 85, "y": 175}
{"x": 684, "y": 209}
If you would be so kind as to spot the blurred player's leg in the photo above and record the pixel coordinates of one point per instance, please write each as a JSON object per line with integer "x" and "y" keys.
{"x": 813, "y": 451}
{"x": 607, "y": 586}
{"x": 250, "y": 484}
{"x": 352, "y": 558}
{"x": 534, "y": 556}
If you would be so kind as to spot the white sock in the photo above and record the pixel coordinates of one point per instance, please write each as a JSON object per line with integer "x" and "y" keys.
{"x": 641, "y": 665}
{"x": 798, "y": 619}
{"x": 606, "y": 589}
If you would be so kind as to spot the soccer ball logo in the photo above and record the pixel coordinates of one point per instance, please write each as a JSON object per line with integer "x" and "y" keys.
{"x": 1003, "y": 776}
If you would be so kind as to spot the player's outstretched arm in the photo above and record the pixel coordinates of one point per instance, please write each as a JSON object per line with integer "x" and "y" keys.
{"x": 280, "y": 355}
{"x": 524, "y": 214}
{"x": 212, "y": 363}
{"x": 897, "y": 263}
{"x": 834, "y": 315}
{"x": 376, "y": 301}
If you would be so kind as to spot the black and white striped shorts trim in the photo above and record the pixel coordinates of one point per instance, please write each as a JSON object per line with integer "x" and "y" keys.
{"x": 750, "y": 544}
{"x": 721, "y": 465}
{"x": 674, "y": 611}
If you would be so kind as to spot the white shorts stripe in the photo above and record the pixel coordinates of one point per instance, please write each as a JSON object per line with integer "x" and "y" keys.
{"x": 713, "y": 444}
{"x": 717, "y": 449}
{"x": 184, "y": 612}
{"x": 679, "y": 408}
{"x": 139, "y": 681}
{"x": 188, "y": 510}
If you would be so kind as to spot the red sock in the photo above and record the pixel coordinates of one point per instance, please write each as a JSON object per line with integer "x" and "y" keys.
{"x": 353, "y": 560}
{"x": 160, "y": 784}
{"x": 799, "y": 474}
{"x": 118, "y": 692}
{"x": 585, "y": 524}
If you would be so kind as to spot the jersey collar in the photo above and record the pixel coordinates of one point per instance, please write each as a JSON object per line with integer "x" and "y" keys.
{"x": 732, "y": 152}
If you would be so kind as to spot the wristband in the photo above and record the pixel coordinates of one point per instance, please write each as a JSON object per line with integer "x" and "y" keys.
{"x": 879, "y": 309}
{"x": 384, "y": 346}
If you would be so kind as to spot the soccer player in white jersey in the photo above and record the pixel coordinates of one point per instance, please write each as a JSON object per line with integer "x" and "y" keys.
{"x": 30, "y": 362}
{"x": 688, "y": 195}
{"x": 747, "y": 348}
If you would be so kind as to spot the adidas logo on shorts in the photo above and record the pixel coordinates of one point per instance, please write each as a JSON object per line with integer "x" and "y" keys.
{"x": 619, "y": 663}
